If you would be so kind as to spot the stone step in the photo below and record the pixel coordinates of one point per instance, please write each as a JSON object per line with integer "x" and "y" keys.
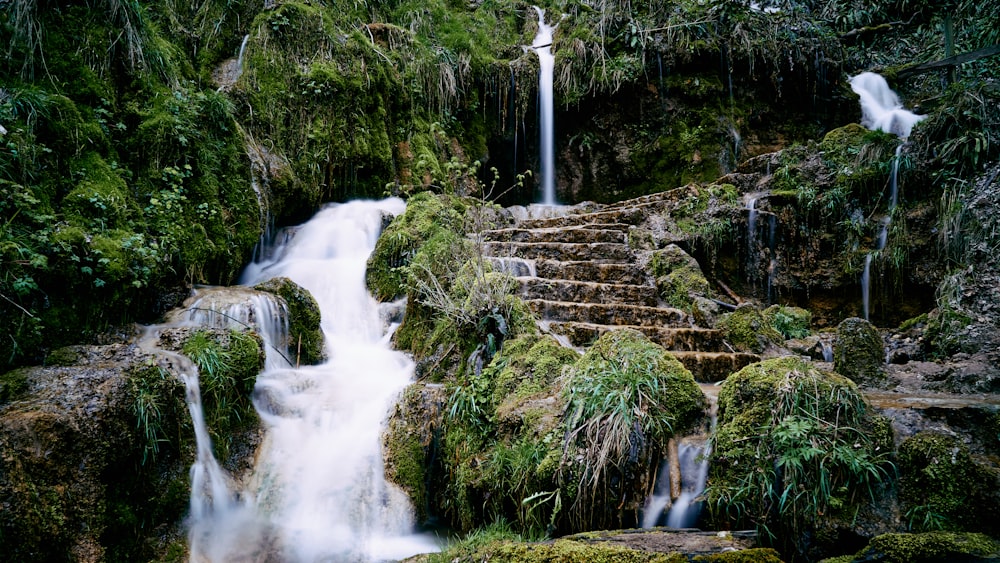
{"x": 709, "y": 367}
{"x": 614, "y": 233}
{"x": 626, "y": 215}
{"x": 589, "y": 292}
{"x": 653, "y": 200}
{"x": 676, "y": 339}
{"x": 628, "y": 274}
{"x": 590, "y": 252}
{"x": 608, "y": 314}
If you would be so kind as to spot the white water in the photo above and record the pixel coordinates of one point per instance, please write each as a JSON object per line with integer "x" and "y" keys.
{"x": 880, "y": 106}
{"x": 694, "y": 474}
{"x": 542, "y": 45}
{"x": 318, "y": 491}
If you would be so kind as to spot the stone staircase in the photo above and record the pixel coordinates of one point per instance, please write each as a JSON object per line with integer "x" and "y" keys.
{"x": 579, "y": 275}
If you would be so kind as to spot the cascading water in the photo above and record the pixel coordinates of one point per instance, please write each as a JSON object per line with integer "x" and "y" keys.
{"x": 880, "y": 106}
{"x": 681, "y": 486}
{"x": 883, "y": 234}
{"x": 882, "y": 110}
{"x": 542, "y": 45}
{"x": 317, "y": 492}
{"x": 319, "y": 480}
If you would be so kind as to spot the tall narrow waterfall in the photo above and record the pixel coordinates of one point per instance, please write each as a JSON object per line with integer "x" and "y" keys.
{"x": 542, "y": 45}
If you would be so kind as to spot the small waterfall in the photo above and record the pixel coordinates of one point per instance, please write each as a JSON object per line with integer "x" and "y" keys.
{"x": 694, "y": 474}
{"x": 231, "y": 70}
{"x": 880, "y": 106}
{"x": 542, "y": 45}
{"x": 772, "y": 251}
{"x": 883, "y": 234}
{"x": 682, "y": 479}
{"x": 882, "y": 110}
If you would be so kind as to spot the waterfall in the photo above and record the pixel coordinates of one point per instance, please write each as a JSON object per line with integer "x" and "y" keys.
{"x": 694, "y": 474}
{"x": 880, "y": 106}
{"x": 542, "y": 45}
{"x": 883, "y": 234}
{"x": 317, "y": 491}
{"x": 319, "y": 480}
{"x": 682, "y": 478}
{"x": 882, "y": 110}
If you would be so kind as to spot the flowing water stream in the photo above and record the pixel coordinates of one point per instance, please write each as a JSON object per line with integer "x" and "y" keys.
{"x": 317, "y": 492}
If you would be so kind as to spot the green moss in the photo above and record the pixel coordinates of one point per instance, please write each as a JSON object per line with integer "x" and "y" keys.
{"x": 678, "y": 276}
{"x": 754, "y": 555}
{"x": 748, "y": 330}
{"x": 13, "y": 385}
{"x": 228, "y": 364}
{"x": 427, "y": 215}
{"x": 305, "y": 335}
{"x": 565, "y": 551}
{"x": 929, "y": 547}
{"x": 858, "y": 352}
{"x": 791, "y": 322}
{"x": 943, "y": 486}
{"x": 794, "y": 445}
{"x": 527, "y": 365}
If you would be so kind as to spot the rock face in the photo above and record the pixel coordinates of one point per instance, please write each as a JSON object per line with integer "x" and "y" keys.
{"x": 858, "y": 353}
{"x": 72, "y": 477}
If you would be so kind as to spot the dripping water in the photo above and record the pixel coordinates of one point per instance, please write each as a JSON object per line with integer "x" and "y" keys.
{"x": 883, "y": 234}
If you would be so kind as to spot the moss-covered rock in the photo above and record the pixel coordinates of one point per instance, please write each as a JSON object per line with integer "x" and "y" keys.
{"x": 748, "y": 330}
{"x": 679, "y": 278}
{"x": 942, "y": 485}
{"x": 929, "y": 547}
{"x": 563, "y": 551}
{"x": 306, "y": 343}
{"x": 794, "y": 448}
{"x": 427, "y": 216}
{"x": 791, "y": 322}
{"x": 13, "y": 385}
{"x": 858, "y": 352}
{"x": 409, "y": 443}
{"x": 626, "y": 397}
{"x": 753, "y": 555}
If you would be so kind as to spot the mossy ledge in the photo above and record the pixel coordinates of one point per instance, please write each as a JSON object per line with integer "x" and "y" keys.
{"x": 306, "y": 343}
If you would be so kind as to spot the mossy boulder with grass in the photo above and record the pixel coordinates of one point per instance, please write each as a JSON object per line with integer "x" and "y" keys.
{"x": 626, "y": 398}
{"x": 748, "y": 330}
{"x": 929, "y": 547}
{"x": 93, "y": 458}
{"x": 795, "y": 448}
{"x": 943, "y": 485}
{"x": 427, "y": 215}
{"x": 791, "y": 322}
{"x": 858, "y": 352}
{"x": 679, "y": 278}
{"x": 305, "y": 336}
{"x": 408, "y": 444}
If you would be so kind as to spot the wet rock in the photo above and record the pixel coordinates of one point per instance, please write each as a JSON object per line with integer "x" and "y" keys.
{"x": 305, "y": 336}
{"x": 858, "y": 353}
{"x": 71, "y": 458}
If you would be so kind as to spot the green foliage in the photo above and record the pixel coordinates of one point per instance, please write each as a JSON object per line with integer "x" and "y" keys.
{"x": 625, "y": 398}
{"x": 794, "y": 445}
{"x": 748, "y": 330}
{"x": 930, "y": 546}
{"x": 791, "y": 322}
{"x": 941, "y": 485}
{"x": 228, "y": 364}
